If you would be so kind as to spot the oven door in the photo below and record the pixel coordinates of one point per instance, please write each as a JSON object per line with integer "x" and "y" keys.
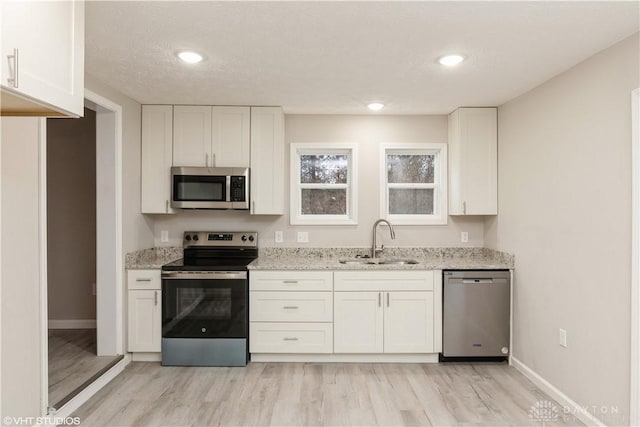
{"x": 205, "y": 304}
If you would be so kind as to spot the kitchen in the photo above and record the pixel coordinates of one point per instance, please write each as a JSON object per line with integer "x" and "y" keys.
{"x": 552, "y": 243}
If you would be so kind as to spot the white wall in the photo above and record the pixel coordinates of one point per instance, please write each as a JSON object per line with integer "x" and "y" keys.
{"x": 21, "y": 317}
{"x": 368, "y": 131}
{"x": 565, "y": 212}
{"x": 137, "y": 229}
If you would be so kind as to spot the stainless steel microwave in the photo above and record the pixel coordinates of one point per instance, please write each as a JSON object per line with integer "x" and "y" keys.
{"x": 209, "y": 188}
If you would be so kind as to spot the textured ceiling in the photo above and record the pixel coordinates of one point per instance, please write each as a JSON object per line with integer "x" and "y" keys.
{"x": 335, "y": 57}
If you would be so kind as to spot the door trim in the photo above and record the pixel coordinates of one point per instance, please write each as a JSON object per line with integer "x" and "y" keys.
{"x": 635, "y": 259}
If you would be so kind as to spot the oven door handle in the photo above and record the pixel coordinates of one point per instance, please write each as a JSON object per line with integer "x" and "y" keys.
{"x": 215, "y": 275}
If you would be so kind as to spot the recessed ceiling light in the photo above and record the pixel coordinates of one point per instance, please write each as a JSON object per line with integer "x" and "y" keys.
{"x": 190, "y": 57}
{"x": 375, "y": 106}
{"x": 451, "y": 60}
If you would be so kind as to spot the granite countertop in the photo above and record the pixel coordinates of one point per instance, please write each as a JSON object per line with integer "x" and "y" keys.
{"x": 152, "y": 259}
{"x": 328, "y": 258}
{"x": 428, "y": 259}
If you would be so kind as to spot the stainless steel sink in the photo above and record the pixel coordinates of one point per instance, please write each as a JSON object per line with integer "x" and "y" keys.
{"x": 379, "y": 261}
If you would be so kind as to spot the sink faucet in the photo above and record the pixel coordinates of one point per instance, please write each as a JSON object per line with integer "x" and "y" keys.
{"x": 374, "y": 247}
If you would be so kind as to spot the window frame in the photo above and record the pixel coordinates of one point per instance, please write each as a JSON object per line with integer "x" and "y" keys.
{"x": 295, "y": 200}
{"x": 440, "y": 204}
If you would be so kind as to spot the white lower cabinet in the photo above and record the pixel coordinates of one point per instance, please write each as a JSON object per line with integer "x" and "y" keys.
{"x": 291, "y": 312}
{"x": 144, "y": 311}
{"x": 387, "y": 316}
{"x": 282, "y": 337}
{"x": 392, "y": 314}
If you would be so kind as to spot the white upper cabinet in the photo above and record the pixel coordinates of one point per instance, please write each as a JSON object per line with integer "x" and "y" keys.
{"x": 267, "y": 161}
{"x": 211, "y": 136}
{"x": 473, "y": 161}
{"x": 230, "y": 136}
{"x": 156, "y": 159}
{"x": 42, "y": 53}
{"x": 191, "y": 135}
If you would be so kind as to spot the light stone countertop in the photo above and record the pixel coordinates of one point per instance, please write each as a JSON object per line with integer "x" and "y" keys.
{"x": 428, "y": 259}
{"x": 328, "y": 259}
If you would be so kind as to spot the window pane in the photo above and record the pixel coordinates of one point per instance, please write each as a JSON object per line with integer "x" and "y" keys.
{"x": 324, "y": 202}
{"x": 411, "y": 201}
{"x": 412, "y": 168}
{"x": 323, "y": 169}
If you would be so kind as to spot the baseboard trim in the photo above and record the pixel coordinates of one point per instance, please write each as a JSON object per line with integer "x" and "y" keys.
{"x": 344, "y": 358}
{"x": 146, "y": 357}
{"x": 72, "y": 324}
{"x": 574, "y": 408}
{"x": 81, "y": 398}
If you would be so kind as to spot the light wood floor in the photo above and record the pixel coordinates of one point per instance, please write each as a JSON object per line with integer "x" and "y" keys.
{"x": 72, "y": 361}
{"x": 297, "y": 394}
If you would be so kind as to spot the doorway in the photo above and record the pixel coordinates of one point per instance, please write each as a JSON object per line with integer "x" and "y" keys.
{"x": 82, "y": 181}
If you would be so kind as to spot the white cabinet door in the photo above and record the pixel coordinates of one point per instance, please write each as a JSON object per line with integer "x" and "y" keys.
{"x": 42, "y": 56}
{"x": 473, "y": 159}
{"x": 192, "y": 135}
{"x": 408, "y": 322}
{"x": 267, "y": 161}
{"x": 157, "y": 158}
{"x": 145, "y": 321}
{"x": 357, "y": 322}
{"x": 230, "y": 136}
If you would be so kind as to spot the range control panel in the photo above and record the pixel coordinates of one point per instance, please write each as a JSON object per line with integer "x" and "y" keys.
{"x": 215, "y": 238}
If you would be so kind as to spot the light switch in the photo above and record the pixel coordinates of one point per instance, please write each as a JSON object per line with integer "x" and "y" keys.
{"x": 279, "y": 238}
{"x": 464, "y": 237}
{"x": 164, "y": 236}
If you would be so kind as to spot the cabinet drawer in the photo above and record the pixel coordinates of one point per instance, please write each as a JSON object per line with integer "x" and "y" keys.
{"x": 418, "y": 280}
{"x": 290, "y": 337}
{"x": 291, "y": 306}
{"x": 143, "y": 279}
{"x": 291, "y": 280}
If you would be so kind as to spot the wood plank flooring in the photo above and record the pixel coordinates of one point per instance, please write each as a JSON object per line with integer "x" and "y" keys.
{"x": 72, "y": 361}
{"x": 313, "y": 394}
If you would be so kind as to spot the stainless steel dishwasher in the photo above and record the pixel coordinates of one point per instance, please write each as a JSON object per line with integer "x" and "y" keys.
{"x": 476, "y": 314}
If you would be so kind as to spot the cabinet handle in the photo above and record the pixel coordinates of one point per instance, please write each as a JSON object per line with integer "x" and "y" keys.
{"x": 289, "y": 339}
{"x": 290, "y": 282}
{"x": 379, "y": 299}
{"x": 143, "y": 279}
{"x": 464, "y": 208}
{"x": 213, "y": 160}
{"x": 253, "y": 206}
{"x": 387, "y": 299}
{"x": 155, "y": 298}
{"x": 206, "y": 159}
{"x": 166, "y": 206}
{"x": 13, "y": 80}
{"x": 290, "y": 307}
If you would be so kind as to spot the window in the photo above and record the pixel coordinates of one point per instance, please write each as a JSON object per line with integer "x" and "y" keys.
{"x": 323, "y": 188}
{"x": 414, "y": 183}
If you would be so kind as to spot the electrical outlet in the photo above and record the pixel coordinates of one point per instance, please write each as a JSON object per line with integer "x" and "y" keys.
{"x": 93, "y": 289}
{"x": 464, "y": 237}
{"x": 303, "y": 237}
{"x": 279, "y": 238}
{"x": 164, "y": 236}
{"x": 563, "y": 337}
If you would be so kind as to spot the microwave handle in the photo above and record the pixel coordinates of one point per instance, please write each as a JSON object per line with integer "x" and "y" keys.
{"x": 228, "y": 199}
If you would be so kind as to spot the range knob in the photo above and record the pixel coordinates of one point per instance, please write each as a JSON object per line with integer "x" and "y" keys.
{"x": 251, "y": 238}
{"x": 243, "y": 238}
{"x": 187, "y": 238}
{"x": 195, "y": 237}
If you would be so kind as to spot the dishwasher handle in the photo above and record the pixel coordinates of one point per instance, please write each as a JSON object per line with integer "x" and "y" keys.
{"x": 476, "y": 281}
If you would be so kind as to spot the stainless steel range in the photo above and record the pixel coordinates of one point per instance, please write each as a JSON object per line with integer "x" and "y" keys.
{"x": 205, "y": 300}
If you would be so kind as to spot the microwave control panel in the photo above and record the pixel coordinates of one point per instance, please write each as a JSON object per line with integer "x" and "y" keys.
{"x": 238, "y": 186}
